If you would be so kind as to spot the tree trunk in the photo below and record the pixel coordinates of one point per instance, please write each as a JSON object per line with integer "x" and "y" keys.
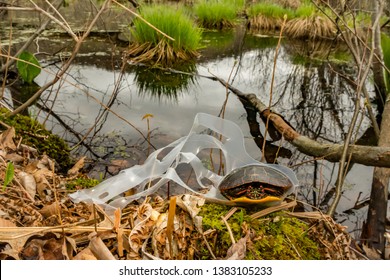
{"x": 377, "y": 69}
{"x": 375, "y": 226}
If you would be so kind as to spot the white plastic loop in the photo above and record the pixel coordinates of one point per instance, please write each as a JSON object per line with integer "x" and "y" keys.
{"x": 183, "y": 150}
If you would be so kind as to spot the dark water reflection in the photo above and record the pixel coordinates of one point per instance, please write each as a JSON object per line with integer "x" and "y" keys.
{"x": 311, "y": 94}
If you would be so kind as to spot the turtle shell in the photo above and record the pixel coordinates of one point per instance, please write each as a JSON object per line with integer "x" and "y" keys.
{"x": 255, "y": 184}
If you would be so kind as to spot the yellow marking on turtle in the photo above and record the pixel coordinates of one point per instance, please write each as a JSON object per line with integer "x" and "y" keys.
{"x": 244, "y": 199}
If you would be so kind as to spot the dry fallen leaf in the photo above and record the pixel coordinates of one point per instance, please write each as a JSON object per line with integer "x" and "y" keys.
{"x": 371, "y": 253}
{"x": 190, "y": 203}
{"x": 44, "y": 248}
{"x": 45, "y": 163}
{"x": 98, "y": 248}
{"x": 76, "y": 168}
{"x": 117, "y": 165}
{"x": 85, "y": 254}
{"x": 7, "y": 139}
{"x": 70, "y": 247}
{"x": 28, "y": 182}
{"x": 14, "y": 157}
{"x": 41, "y": 181}
{"x": 137, "y": 236}
{"x": 238, "y": 250}
{"x": 50, "y": 210}
{"x": 9, "y": 253}
{"x": 144, "y": 212}
{"x": 6, "y": 223}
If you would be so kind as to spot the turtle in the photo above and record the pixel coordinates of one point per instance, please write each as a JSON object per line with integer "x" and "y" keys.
{"x": 255, "y": 184}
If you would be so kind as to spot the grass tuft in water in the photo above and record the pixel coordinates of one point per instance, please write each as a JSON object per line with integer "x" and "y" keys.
{"x": 150, "y": 46}
{"x": 310, "y": 24}
{"x": 305, "y": 10}
{"x": 267, "y": 16}
{"x": 218, "y": 14}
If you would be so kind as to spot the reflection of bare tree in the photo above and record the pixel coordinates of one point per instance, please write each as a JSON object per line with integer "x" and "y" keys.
{"x": 314, "y": 98}
{"x": 325, "y": 103}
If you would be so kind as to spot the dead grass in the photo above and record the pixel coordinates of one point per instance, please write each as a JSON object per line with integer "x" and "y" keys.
{"x": 313, "y": 27}
{"x": 261, "y": 22}
{"x": 161, "y": 54}
{"x": 293, "y": 4}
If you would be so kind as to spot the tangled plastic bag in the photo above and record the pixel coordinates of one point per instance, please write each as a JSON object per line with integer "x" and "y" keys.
{"x": 155, "y": 172}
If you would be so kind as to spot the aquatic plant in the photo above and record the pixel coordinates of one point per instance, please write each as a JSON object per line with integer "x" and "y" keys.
{"x": 267, "y": 16}
{"x": 217, "y": 15}
{"x": 28, "y": 67}
{"x": 305, "y": 10}
{"x": 151, "y": 46}
{"x": 292, "y": 4}
{"x": 310, "y": 24}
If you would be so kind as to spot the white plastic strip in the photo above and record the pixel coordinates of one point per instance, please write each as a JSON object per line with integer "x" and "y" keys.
{"x": 183, "y": 150}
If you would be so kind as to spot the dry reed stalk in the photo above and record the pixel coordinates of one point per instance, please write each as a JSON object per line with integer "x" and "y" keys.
{"x": 162, "y": 53}
{"x": 313, "y": 27}
{"x": 262, "y": 22}
{"x": 269, "y": 210}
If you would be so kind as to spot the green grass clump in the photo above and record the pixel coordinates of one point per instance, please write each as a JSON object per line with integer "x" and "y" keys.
{"x": 269, "y": 10}
{"x": 35, "y": 135}
{"x": 151, "y": 46}
{"x": 305, "y": 10}
{"x": 267, "y": 16}
{"x": 308, "y": 23}
{"x": 216, "y": 15}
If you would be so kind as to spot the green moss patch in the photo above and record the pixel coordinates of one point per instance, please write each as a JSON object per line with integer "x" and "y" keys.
{"x": 35, "y": 135}
{"x": 81, "y": 182}
{"x": 274, "y": 237}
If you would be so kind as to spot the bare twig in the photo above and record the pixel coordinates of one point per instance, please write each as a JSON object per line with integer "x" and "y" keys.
{"x": 32, "y": 37}
{"x": 229, "y": 230}
{"x": 364, "y": 69}
{"x": 65, "y": 67}
{"x": 208, "y": 246}
{"x": 141, "y": 18}
{"x": 351, "y": 38}
{"x": 272, "y": 81}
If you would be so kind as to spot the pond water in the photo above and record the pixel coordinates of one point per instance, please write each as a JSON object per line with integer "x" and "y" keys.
{"x": 308, "y": 91}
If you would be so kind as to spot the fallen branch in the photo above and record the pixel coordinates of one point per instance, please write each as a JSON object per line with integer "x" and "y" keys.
{"x": 366, "y": 155}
